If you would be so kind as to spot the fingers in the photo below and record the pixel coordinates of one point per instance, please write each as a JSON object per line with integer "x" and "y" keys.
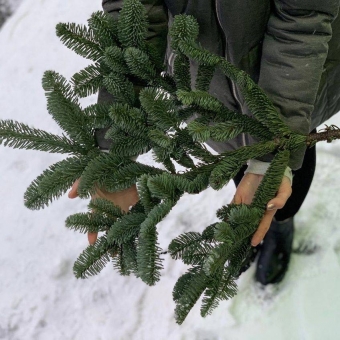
{"x": 246, "y": 189}
{"x": 282, "y": 196}
{"x": 92, "y": 237}
{"x": 263, "y": 227}
{"x": 273, "y": 205}
{"x": 73, "y": 193}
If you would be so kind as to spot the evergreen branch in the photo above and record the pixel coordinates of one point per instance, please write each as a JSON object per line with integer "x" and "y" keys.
{"x": 114, "y": 173}
{"x": 89, "y": 80}
{"x": 130, "y": 120}
{"x": 271, "y": 181}
{"x": 184, "y": 28}
{"x": 187, "y": 291}
{"x": 148, "y": 251}
{"x": 98, "y": 115}
{"x": 127, "y": 146}
{"x": 160, "y": 109}
{"x": 94, "y": 258}
{"x": 232, "y": 161}
{"x": 79, "y": 39}
{"x": 221, "y": 287}
{"x": 219, "y": 132}
{"x": 163, "y": 186}
{"x": 215, "y": 111}
{"x": 162, "y": 140}
{"x": 125, "y": 260}
{"x": 204, "y": 77}
{"x": 54, "y": 182}
{"x": 257, "y": 101}
{"x": 328, "y": 134}
{"x": 197, "y": 53}
{"x": 132, "y": 24}
{"x": 88, "y": 222}
{"x": 106, "y": 208}
{"x": 239, "y": 254}
{"x": 217, "y": 258}
{"x": 140, "y": 65}
{"x": 145, "y": 196}
{"x": 65, "y": 110}
{"x": 120, "y": 87}
{"x": 21, "y": 136}
{"x": 126, "y": 228}
{"x": 104, "y": 28}
{"x": 114, "y": 59}
{"x": 182, "y": 72}
{"x": 190, "y": 247}
{"x": 194, "y": 148}
{"x": 162, "y": 155}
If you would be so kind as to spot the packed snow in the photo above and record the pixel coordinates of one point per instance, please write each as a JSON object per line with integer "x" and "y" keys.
{"x": 40, "y": 299}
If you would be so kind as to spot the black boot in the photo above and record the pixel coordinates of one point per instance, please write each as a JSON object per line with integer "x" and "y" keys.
{"x": 275, "y": 253}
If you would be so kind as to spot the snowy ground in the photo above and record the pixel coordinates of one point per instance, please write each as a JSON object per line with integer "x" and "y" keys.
{"x": 40, "y": 298}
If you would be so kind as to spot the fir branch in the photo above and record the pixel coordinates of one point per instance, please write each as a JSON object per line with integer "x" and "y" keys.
{"x": 204, "y": 77}
{"x": 132, "y": 24}
{"x": 190, "y": 247}
{"x": 114, "y": 59}
{"x": 232, "y": 161}
{"x": 114, "y": 173}
{"x": 54, "y": 182}
{"x": 98, "y": 115}
{"x": 120, "y": 87}
{"x": 184, "y": 28}
{"x": 217, "y": 258}
{"x": 148, "y": 251}
{"x": 64, "y": 108}
{"x": 271, "y": 181}
{"x": 125, "y": 259}
{"x": 21, "y": 136}
{"x": 162, "y": 186}
{"x": 257, "y": 101}
{"x": 106, "y": 208}
{"x": 187, "y": 291}
{"x": 160, "y": 109}
{"x": 220, "y": 287}
{"x": 80, "y": 39}
{"x": 94, "y": 258}
{"x": 125, "y": 145}
{"x": 89, "y": 80}
{"x": 219, "y": 132}
{"x": 141, "y": 66}
{"x": 104, "y": 28}
{"x": 162, "y": 155}
{"x": 130, "y": 120}
{"x": 145, "y": 196}
{"x": 215, "y": 111}
{"x": 126, "y": 228}
{"x": 88, "y": 222}
{"x": 182, "y": 72}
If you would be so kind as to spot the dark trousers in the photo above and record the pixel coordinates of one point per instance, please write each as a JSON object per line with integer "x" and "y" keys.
{"x": 302, "y": 180}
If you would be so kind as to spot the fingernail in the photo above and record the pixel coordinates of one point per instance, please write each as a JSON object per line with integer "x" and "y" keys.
{"x": 270, "y": 206}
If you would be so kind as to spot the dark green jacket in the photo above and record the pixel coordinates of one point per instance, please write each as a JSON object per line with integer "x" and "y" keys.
{"x": 291, "y": 48}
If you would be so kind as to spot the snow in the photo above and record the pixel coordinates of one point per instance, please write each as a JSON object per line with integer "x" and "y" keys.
{"x": 41, "y": 299}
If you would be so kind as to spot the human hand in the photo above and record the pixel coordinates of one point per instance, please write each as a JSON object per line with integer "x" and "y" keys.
{"x": 245, "y": 193}
{"x": 123, "y": 199}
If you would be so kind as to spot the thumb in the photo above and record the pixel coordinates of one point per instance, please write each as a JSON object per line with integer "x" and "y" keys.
{"x": 73, "y": 193}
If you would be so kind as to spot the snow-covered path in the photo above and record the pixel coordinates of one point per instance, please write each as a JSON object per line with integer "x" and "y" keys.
{"x": 39, "y": 297}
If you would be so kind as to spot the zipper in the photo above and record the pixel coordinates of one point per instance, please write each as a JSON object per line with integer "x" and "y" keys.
{"x": 233, "y": 87}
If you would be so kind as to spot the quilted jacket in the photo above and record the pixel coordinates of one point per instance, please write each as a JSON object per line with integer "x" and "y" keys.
{"x": 291, "y": 48}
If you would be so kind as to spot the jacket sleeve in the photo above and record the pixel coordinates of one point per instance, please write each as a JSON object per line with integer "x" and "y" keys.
{"x": 295, "y": 48}
{"x": 157, "y": 35}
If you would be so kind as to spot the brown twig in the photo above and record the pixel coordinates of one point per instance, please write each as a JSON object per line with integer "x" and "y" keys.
{"x": 329, "y": 133}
